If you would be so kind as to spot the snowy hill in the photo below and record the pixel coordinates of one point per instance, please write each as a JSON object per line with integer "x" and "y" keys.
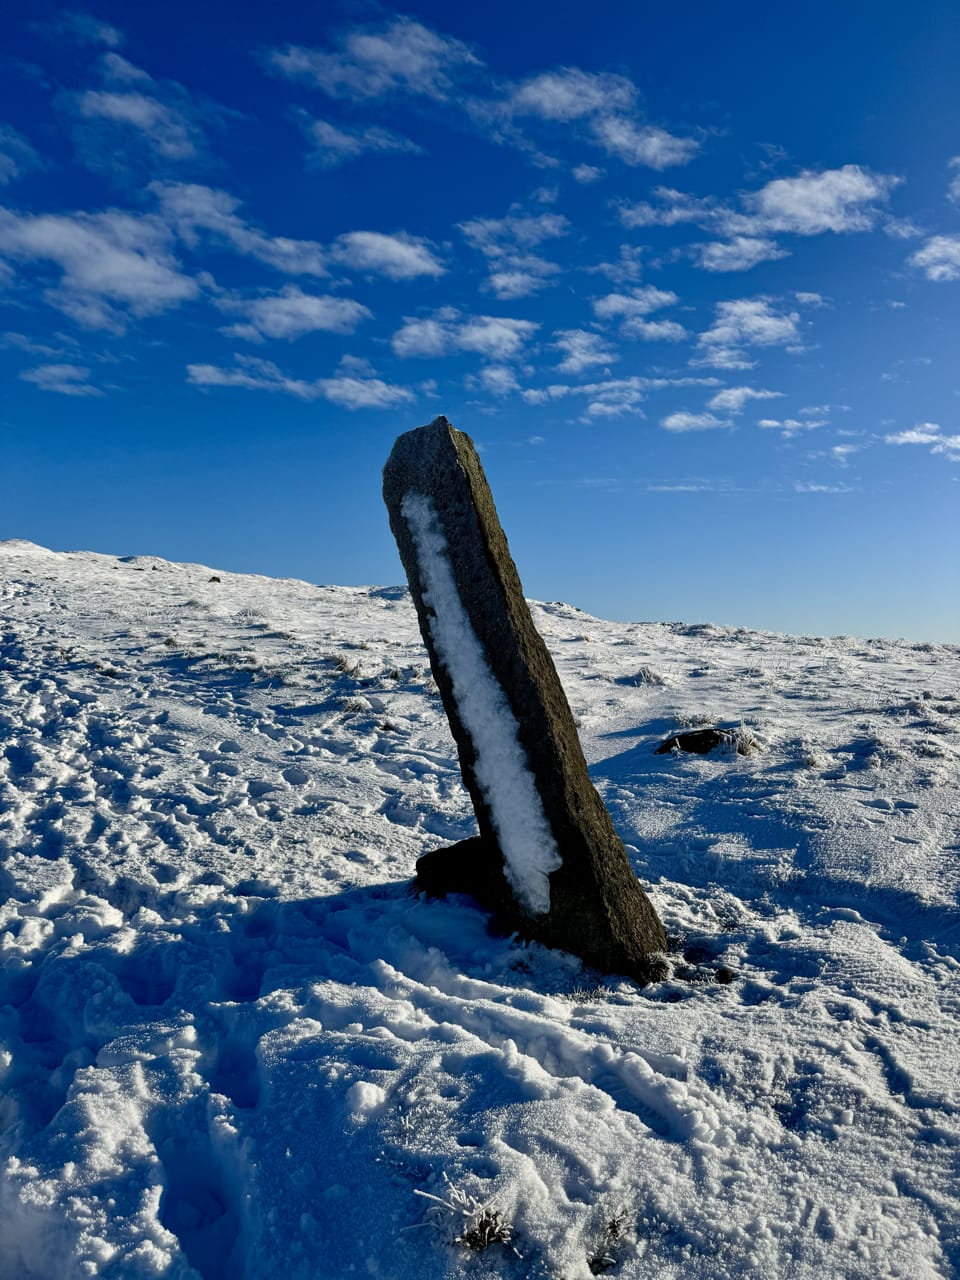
{"x": 233, "y": 1043}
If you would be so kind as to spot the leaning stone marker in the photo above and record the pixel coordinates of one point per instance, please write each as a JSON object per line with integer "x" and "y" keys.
{"x": 547, "y": 860}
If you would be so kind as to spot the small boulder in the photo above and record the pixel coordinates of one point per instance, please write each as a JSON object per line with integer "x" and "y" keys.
{"x": 698, "y": 741}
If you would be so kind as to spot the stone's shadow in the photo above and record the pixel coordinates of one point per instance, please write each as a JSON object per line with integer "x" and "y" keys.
{"x": 207, "y": 971}
{"x": 656, "y": 730}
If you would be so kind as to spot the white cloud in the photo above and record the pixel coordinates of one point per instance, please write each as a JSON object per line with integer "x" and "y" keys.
{"x": 344, "y": 389}
{"x": 939, "y": 259}
{"x": 729, "y": 359}
{"x": 524, "y": 278}
{"x": 546, "y": 395}
{"x": 653, "y": 330}
{"x": 690, "y": 486}
{"x": 250, "y": 373}
{"x": 605, "y": 105}
{"x": 571, "y": 94}
{"x": 582, "y": 350}
{"x": 166, "y": 130}
{"x": 425, "y": 338}
{"x": 402, "y": 57}
{"x": 790, "y": 426}
{"x": 88, "y": 30}
{"x": 357, "y": 365}
{"x": 638, "y": 302}
{"x": 66, "y": 379}
{"x": 813, "y": 202}
{"x": 922, "y": 433}
{"x": 830, "y": 200}
{"x": 505, "y": 242}
{"x": 901, "y": 229}
{"x": 362, "y": 393}
{"x": 499, "y": 379}
{"x": 17, "y": 156}
{"x": 683, "y": 421}
{"x": 499, "y": 237}
{"x": 841, "y": 452}
{"x": 586, "y": 173}
{"x": 738, "y": 254}
{"x": 809, "y": 487}
{"x": 673, "y": 207}
{"x": 734, "y": 399}
{"x": 291, "y": 313}
{"x": 134, "y": 125}
{"x": 819, "y": 410}
{"x": 497, "y": 338}
{"x": 107, "y": 261}
{"x": 639, "y": 144}
{"x": 613, "y": 396}
{"x": 746, "y": 322}
{"x": 632, "y": 308}
{"x": 115, "y": 67}
{"x": 191, "y": 208}
{"x": 333, "y": 145}
{"x": 398, "y": 256}
{"x": 929, "y": 433}
{"x": 953, "y": 190}
{"x": 626, "y": 269}
{"x": 22, "y": 343}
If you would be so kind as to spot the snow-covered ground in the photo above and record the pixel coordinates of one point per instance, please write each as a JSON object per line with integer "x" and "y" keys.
{"x": 233, "y": 1043}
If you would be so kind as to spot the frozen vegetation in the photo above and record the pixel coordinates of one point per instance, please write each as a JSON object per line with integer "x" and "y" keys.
{"x": 233, "y": 1044}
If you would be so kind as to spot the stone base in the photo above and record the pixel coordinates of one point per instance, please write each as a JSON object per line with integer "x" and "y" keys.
{"x": 473, "y": 866}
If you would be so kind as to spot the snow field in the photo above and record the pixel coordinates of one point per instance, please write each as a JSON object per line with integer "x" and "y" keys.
{"x": 233, "y": 1044}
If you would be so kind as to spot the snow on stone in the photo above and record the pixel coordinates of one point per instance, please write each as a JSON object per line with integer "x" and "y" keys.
{"x": 501, "y": 767}
{"x": 233, "y": 1044}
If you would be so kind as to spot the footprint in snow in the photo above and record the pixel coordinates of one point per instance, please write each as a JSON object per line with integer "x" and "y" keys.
{"x": 226, "y": 767}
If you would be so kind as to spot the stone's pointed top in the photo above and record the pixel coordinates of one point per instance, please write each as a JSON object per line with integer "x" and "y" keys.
{"x": 440, "y": 423}
{"x": 437, "y": 450}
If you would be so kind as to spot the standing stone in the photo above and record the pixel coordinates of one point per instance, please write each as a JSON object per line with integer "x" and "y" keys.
{"x": 547, "y": 862}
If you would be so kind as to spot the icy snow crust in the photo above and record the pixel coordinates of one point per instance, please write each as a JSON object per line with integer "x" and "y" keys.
{"x": 501, "y": 768}
{"x": 232, "y": 1044}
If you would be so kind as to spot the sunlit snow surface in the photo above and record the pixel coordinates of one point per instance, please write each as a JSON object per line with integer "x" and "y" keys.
{"x": 232, "y": 1044}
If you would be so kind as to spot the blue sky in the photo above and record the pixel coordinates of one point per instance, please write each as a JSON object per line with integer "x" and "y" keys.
{"x": 691, "y": 280}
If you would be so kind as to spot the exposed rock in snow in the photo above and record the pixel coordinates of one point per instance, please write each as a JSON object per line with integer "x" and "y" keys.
{"x": 543, "y": 827}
